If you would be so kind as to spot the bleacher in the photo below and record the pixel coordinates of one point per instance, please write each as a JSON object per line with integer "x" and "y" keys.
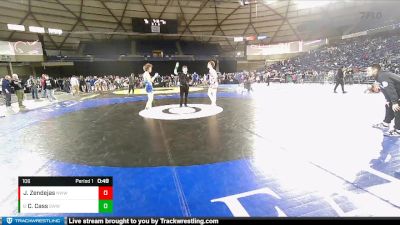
{"x": 199, "y": 48}
{"x": 107, "y": 49}
{"x": 146, "y": 47}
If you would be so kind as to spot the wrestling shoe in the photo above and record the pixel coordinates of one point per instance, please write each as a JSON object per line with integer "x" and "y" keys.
{"x": 392, "y": 133}
{"x": 381, "y": 126}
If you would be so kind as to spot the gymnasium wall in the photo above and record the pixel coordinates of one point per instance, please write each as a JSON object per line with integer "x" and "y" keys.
{"x": 122, "y": 68}
{"x": 23, "y": 71}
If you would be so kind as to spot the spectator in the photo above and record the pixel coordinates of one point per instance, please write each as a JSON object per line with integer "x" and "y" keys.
{"x": 132, "y": 84}
{"x": 88, "y": 86}
{"x": 18, "y": 86}
{"x": 42, "y": 84}
{"x": 33, "y": 84}
{"x": 6, "y": 91}
{"x": 74, "y": 85}
{"x": 67, "y": 85}
{"x": 82, "y": 84}
{"x": 50, "y": 85}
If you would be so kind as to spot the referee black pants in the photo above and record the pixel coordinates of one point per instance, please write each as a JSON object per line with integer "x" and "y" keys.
{"x": 184, "y": 90}
{"x": 131, "y": 87}
{"x": 341, "y": 82}
{"x": 390, "y": 115}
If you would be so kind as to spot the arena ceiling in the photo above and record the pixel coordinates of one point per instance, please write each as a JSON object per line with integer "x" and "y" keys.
{"x": 216, "y": 21}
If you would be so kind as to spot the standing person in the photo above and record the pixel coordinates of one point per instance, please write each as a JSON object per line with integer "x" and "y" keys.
{"x": 42, "y": 84}
{"x": 50, "y": 84}
{"x": 87, "y": 81}
{"x": 19, "y": 90}
{"x": 6, "y": 91}
{"x": 148, "y": 80}
{"x": 390, "y": 86}
{"x": 268, "y": 76}
{"x": 184, "y": 79}
{"x": 131, "y": 84}
{"x": 92, "y": 81}
{"x": 138, "y": 82}
{"x": 60, "y": 83}
{"x": 339, "y": 80}
{"x": 33, "y": 84}
{"x": 247, "y": 84}
{"x": 98, "y": 84}
{"x": 67, "y": 85}
{"x": 74, "y": 85}
{"x": 195, "y": 78}
{"x": 82, "y": 84}
{"x": 257, "y": 78}
{"x": 213, "y": 81}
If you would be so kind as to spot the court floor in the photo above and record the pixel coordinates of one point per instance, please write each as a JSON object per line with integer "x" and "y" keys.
{"x": 282, "y": 150}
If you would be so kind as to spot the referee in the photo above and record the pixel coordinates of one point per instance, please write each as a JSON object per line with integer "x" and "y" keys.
{"x": 390, "y": 87}
{"x": 184, "y": 79}
{"x": 339, "y": 80}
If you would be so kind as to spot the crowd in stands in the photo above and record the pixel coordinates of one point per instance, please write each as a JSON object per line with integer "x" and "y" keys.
{"x": 147, "y": 47}
{"x": 355, "y": 55}
{"x": 320, "y": 65}
{"x": 198, "y": 48}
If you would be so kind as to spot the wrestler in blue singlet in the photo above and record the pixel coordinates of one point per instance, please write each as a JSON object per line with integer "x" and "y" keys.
{"x": 149, "y": 86}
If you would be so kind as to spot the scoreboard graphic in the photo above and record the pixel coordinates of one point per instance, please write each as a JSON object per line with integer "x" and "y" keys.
{"x": 65, "y": 194}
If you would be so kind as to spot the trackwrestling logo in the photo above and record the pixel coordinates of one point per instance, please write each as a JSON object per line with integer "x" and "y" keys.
{"x": 33, "y": 220}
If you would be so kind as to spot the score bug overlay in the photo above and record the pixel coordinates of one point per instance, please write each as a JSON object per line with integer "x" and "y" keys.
{"x": 65, "y": 194}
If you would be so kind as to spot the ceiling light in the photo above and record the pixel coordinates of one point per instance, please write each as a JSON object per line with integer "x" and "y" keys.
{"x": 36, "y": 29}
{"x": 55, "y": 31}
{"x": 237, "y": 39}
{"x": 261, "y": 37}
{"x": 16, "y": 27}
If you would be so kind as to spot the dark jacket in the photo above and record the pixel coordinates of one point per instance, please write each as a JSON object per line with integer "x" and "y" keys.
{"x": 184, "y": 79}
{"x": 390, "y": 86}
{"x": 49, "y": 84}
{"x": 339, "y": 75}
{"x": 17, "y": 85}
{"x": 82, "y": 82}
{"x": 6, "y": 85}
{"x": 132, "y": 80}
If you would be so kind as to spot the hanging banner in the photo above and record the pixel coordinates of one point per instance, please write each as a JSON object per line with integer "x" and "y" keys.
{"x": 21, "y": 51}
{"x": 6, "y": 52}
